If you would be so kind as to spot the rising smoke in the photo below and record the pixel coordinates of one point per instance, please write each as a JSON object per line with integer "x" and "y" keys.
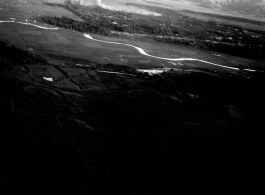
{"x": 98, "y": 3}
{"x": 118, "y": 5}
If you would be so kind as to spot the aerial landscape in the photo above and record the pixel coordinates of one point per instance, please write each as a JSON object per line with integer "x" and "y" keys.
{"x": 132, "y": 97}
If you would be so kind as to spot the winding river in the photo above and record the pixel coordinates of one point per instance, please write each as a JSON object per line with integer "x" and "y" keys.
{"x": 141, "y": 51}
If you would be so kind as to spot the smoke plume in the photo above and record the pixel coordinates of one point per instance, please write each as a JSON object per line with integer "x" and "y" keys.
{"x": 98, "y": 3}
{"x": 119, "y": 5}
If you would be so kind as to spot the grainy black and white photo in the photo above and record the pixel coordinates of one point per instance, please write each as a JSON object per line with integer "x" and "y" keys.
{"x": 132, "y": 97}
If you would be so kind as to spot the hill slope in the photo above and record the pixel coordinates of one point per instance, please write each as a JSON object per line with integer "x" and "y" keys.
{"x": 249, "y": 6}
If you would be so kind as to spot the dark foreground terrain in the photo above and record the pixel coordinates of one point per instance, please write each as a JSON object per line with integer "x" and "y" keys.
{"x": 93, "y": 132}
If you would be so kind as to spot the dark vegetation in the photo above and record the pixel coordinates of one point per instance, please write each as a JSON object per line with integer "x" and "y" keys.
{"x": 80, "y": 26}
{"x": 12, "y": 55}
{"x": 181, "y": 132}
{"x": 54, "y": 4}
{"x": 172, "y": 27}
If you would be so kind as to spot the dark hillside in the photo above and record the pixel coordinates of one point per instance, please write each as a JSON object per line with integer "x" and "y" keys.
{"x": 92, "y": 132}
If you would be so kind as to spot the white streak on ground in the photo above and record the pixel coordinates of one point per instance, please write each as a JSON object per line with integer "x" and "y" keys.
{"x": 151, "y": 71}
{"x": 109, "y": 72}
{"x": 29, "y": 24}
{"x": 172, "y": 63}
{"x": 48, "y": 79}
{"x": 82, "y": 65}
{"x": 217, "y": 55}
{"x": 37, "y": 26}
{"x": 251, "y": 70}
{"x": 157, "y": 70}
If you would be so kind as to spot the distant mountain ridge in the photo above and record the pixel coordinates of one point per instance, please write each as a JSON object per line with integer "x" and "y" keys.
{"x": 237, "y": 2}
{"x": 256, "y": 7}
